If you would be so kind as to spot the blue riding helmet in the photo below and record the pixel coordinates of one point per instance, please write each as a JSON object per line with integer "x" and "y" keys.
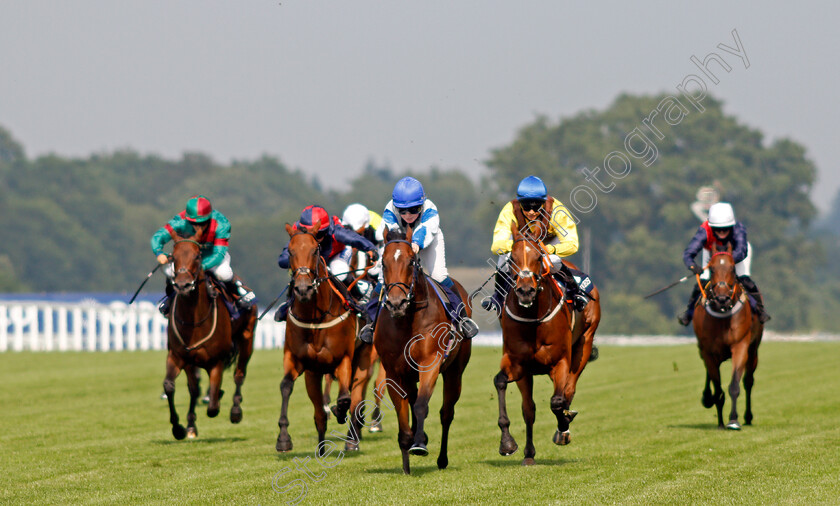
{"x": 408, "y": 192}
{"x": 531, "y": 187}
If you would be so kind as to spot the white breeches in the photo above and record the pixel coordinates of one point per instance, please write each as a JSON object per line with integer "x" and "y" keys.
{"x": 742, "y": 268}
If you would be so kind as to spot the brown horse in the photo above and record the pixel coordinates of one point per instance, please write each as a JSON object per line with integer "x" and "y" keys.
{"x": 320, "y": 338}
{"x": 541, "y": 335}
{"x": 201, "y": 334}
{"x": 365, "y": 357}
{"x": 726, "y": 327}
{"x": 416, "y": 342}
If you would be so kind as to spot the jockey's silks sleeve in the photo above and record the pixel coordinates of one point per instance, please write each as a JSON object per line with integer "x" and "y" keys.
{"x": 425, "y": 232}
{"x": 561, "y": 226}
{"x": 213, "y": 244}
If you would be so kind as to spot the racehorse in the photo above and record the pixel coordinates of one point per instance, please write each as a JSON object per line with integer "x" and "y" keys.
{"x": 320, "y": 338}
{"x": 541, "y": 334}
{"x": 201, "y": 334}
{"x": 416, "y": 342}
{"x": 365, "y": 357}
{"x": 726, "y": 327}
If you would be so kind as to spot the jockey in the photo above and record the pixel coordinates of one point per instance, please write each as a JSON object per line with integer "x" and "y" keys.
{"x": 532, "y": 203}
{"x": 213, "y": 232}
{"x": 410, "y": 209}
{"x": 332, "y": 239}
{"x": 366, "y": 223}
{"x": 721, "y": 229}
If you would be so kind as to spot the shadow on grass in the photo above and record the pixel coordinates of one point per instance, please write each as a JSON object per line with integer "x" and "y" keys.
{"x": 198, "y": 440}
{"x": 396, "y": 469}
{"x": 517, "y": 462}
{"x": 695, "y": 426}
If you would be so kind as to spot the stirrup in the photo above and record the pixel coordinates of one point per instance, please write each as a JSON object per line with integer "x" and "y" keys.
{"x": 164, "y": 306}
{"x": 684, "y": 318}
{"x": 246, "y": 300}
{"x": 467, "y": 327}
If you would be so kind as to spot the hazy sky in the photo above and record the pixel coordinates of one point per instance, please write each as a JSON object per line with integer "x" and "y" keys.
{"x": 326, "y": 85}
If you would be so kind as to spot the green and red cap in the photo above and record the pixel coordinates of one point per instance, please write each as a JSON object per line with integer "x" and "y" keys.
{"x": 198, "y": 209}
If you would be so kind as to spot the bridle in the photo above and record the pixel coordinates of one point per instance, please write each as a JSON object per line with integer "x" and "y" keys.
{"x": 406, "y": 288}
{"x": 731, "y": 289}
{"x": 306, "y": 271}
{"x": 538, "y": 277}
{"x": 197, "y": 277}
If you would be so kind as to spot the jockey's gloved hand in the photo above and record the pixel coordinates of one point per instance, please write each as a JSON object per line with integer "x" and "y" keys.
{"x": 163, "y": 259}
{"x": 696, "y": 269}
{"x": 373, "y": 255}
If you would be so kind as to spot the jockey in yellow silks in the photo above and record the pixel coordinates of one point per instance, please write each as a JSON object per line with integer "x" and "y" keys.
{"x": 533, "y": 208}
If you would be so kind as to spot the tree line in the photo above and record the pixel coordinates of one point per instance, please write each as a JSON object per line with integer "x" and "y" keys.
{"x": 83, "y": 224}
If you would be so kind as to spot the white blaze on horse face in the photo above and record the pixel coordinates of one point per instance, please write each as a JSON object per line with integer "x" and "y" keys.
{"x": 721, "y": 261}
{"x": 397, "y": 254}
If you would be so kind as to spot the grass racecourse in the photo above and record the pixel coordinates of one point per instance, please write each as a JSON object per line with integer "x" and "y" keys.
{"x": 89, "y": 428}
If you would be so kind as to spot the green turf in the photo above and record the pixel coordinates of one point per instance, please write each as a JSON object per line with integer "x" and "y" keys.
{"x": 90, "y": 428}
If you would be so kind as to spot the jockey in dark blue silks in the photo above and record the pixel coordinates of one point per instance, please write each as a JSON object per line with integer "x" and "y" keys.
{"x": 721, "y": 229}
{"x": 332, "y": 239}
{"x": 410, "y": 209}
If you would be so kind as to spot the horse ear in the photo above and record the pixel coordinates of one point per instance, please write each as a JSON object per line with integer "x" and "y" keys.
{"x": 515, "y": 232}
{"x": 408, "y": 234}
{"x": 315, "y": 227}
{"x": 729, "y": 248}
{"x": 291, "y": 230}
{"x": 390, "y": 235}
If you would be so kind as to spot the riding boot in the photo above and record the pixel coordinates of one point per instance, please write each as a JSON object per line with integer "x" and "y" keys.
{"x": 371, "y": 312}
{"x": 497, "y": 301}
{"x": 685, "y": 318}
{"x": 283, "y": 310}
{"x": 166, "y": 303}
{"x": 573, "y": 293}
{"x": 751, "y": 288}
{"x": 242, "y": 295}
{"x": 465, "y": 325}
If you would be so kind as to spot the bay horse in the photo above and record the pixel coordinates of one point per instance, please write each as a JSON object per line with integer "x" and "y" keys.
{"x": 726, "y": 327}
{"x": 365, "y": 358}
{"x": 320, "y": 339}
{"x": 201, "y": 335}
{"x": 541, "y": 334}
{"x": 416, "y": 342}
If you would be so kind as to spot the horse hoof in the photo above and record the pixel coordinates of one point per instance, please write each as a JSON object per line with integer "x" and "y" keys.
{"x": 351, "y": 447}
{"x": 283, "y": 445}
{"x": 508, "y": 448}
{"x": 376, "y": 427}
{"x": 733, "y": 425}
{"x": 179, "y": 432}
{"x": 528, "y": 461}
{"x": 562, "y": 438}
{"x": 212, "y": 413}
{"x": 192, "y": 433}
{"x": 340, "y": 410}
{"x": 442, "y": 462}
{"x": 235, "y": 414}
{"x": 418, "y": 450}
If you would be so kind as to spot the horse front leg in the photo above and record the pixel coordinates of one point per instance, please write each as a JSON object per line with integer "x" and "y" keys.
{"x": 195, "y": 392}
{"x": 529, "y": 414}
{"x": 362, "y": 366}
{"x": 713, "y": 376}
{"x": 216, "y": 393}
{"x": 314, "y": 386}
{"x": 560, "y": 403}
{"x": 404, "y": 433}
{"x": 426, "y": 387}
{"x": 739, "y": 364}
{"x": 508, "y": 445}
{"x": 378, "y": 393}
{"x": 173, "y": 368}
{"x": 343, "y": 374}
{"x": 451, "y": 394}
{"x": 749, "y": 379}
{"x": 284, "y": 441}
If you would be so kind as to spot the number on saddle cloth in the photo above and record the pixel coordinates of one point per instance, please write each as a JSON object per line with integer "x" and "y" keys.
{"x": 582, "y": 279}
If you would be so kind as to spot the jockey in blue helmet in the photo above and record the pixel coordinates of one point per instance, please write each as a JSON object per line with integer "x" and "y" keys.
{"x": 410, "y": 209}
{"x": 558, "y": 234}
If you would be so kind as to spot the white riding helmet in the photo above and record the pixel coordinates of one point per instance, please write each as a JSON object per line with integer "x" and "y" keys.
{"x": 356, "y": 216}
{"x": 721, "y": 215}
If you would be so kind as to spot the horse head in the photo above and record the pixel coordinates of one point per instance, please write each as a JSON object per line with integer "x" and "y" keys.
{"x": 529, "y": 265}
{"x": 304, "y": 258}
{"x": 186, "y": 257}
{"x": 400, "y": 268}
{"x": 722, "y": 286}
